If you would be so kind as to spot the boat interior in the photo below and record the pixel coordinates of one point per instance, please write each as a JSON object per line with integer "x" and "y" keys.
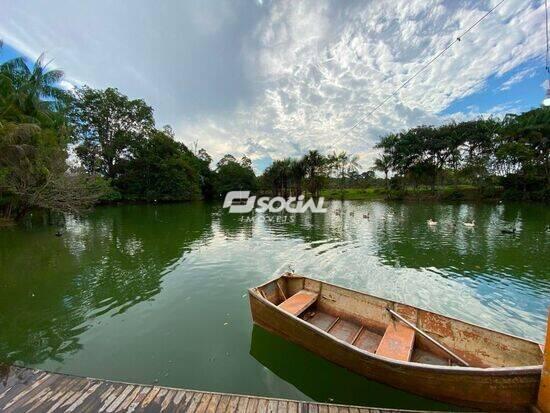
{"x": 413, "y": 335}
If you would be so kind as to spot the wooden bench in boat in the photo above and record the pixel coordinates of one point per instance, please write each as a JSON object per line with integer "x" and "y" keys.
{"x": 397, "y": 342}
{"x": 299, "y": 302}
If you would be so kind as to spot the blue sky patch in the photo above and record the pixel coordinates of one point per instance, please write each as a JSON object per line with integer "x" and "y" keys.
{"x": 516, "y": 91}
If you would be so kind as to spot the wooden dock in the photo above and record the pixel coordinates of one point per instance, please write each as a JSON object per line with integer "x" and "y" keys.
{"x": 29, "y": 390}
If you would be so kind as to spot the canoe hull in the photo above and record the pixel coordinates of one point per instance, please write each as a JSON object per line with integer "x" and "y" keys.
{"x": 489, "y": 391}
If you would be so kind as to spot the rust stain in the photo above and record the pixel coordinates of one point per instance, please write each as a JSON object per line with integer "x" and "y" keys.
{"x": 470, "y": 335}
{"x": 431, "y": 323}
{"x": 407, "y": 312}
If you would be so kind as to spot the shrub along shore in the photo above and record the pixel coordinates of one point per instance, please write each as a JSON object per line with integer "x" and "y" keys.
{"x": 443, "y": 193}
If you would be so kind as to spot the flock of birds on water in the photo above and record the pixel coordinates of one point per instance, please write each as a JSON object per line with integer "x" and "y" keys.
{"x": 432, "y": 223}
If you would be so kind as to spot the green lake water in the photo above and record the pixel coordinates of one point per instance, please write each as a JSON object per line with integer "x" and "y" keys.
{"x": 157, "y": 294}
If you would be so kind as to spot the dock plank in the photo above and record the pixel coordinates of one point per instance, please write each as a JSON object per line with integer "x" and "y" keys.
{"x": 232, "y": 405}
{"x": 29, "y": 390}
{"x": 243, "y": 403}
{"x": 167, "y": 404}
{"x": 51, "y": 395}
{"x": 18, "y": 386}
{"x": 224, "y": 402}
{"x": 124, "y": 394}
{"x": 203, "y": 404}
{"x": 193, "y": 402}
{"x": 252, "y": 406}
{"x": 262, "y": 406}
{"x": 84, "y": 396}
{"x": 94, "y": 400}
{"x": 213, "y": 405}
{"x": 125, "y": 405}
{"x": 73, "y": 395}
{"x": 24, "y": 391}
{"x": 292, "y": 407}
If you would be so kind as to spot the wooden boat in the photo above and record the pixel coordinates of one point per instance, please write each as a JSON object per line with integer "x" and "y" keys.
{"x": 406, "y": 347}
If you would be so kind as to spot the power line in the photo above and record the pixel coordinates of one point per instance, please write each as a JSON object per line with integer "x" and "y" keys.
{"x": 437, "y": 56}
{"x": 547, "y": 47}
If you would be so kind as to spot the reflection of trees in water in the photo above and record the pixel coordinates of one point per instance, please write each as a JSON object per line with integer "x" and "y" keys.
{"x": 113, "y": 259}
{"x": 324, "y": 381}
{"x": 51, "y": 288}
{"x": 408, "y": 241}
{"x": 236, "y": 225}
{"x": 309, "y": 227}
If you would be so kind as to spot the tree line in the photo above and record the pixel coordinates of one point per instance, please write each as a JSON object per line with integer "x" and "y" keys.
{"x": 65, "y": 151}
{"x": 310, "y": 173}
{"x": 513, "y": 152}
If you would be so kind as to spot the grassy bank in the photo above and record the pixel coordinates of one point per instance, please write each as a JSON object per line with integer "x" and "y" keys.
{"x": 441, "y": 193}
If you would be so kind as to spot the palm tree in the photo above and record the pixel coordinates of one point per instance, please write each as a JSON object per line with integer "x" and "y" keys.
{"x": 352, "y": 164}
{"x": 33, "y": 93}
{"x": 383, "y": 164}
{"x": 344, "y": 164}
{"x": 315, "y": 166}
{"x": 298, "y": 169}
{"x": 284, "y": 176}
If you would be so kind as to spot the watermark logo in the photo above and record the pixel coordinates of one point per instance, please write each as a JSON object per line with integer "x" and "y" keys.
{"x": 270, "y": 219}
{"x": 240, "y": 202}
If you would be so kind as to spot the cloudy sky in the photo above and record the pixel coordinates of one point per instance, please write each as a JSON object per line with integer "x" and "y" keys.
{"x": 272, "y": 78}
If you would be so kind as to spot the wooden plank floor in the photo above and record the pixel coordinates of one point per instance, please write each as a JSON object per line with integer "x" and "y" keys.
{"x": 29, "y": 390}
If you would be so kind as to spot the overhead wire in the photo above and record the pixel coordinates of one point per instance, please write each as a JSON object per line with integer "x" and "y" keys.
{"x": 431, "y": 61}
{"x": 547, "y": 44}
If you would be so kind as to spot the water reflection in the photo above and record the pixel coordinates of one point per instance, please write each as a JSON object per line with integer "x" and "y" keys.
{"x": 407, "y": 239}
{"x": 112, "y": 259}
{"x": 317, "y": 377}
{"x": 158, "y": 293}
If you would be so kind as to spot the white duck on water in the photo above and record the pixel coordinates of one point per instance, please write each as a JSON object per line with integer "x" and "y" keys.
{"x": 432, "y": 223}
{"x": 470, "y": 224}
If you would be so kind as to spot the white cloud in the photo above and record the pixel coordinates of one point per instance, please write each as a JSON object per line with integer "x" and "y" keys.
{"x": 274, "y": 79}
{"x": 323, "y": 69}
{"x": 518, "y": 77}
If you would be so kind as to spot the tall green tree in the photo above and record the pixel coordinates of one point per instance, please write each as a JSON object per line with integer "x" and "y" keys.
{"x": 523, "y": 149}
{"x": 233, "y": 176}
{"x": 108, "y": 127}
{"x": 161, "y": 169}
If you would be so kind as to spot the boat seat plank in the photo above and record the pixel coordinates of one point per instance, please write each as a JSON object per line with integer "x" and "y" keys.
{"x": 368, "y": 340}
{"x": 344, "y": 330}
{"x": 397, "y": 342}
{"x": 299, "y": 302}
{"x": 321, "y": 320}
